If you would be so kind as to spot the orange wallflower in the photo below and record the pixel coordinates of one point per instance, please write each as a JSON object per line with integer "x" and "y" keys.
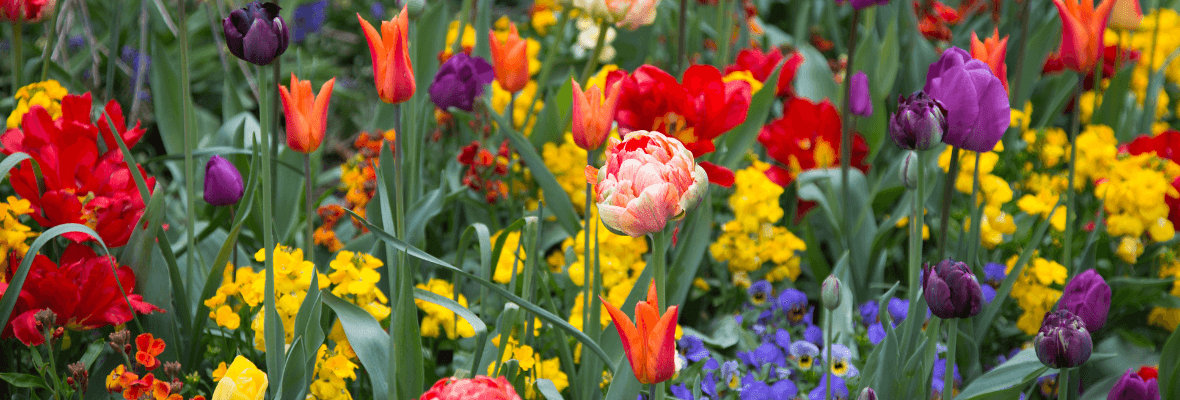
{"x": 650, "y": 343}
{"x": 991, "y": 51}
{"x": 392, "y": 71}
{"x": 1082, "y": 27}
{"x": 307, "y": 113}
{"x": 147, "y": 348}
{"x": 511, "y": 60}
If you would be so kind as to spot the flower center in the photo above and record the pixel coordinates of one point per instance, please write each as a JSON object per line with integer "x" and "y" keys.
{"x": 796, "y": 313}
{"x": 758, "y": 298}
{"x": 675, "y": 125}
{"x": 839, "y": 367}
{"x": 805, "y": 361}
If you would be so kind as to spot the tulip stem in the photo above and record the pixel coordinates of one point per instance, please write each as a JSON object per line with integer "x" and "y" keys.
{"x": 547, "y": 66}
{"x": 186, "y": 121}
{"x": 948, "y": 185}
{"x": 49, "y": 36}
{"x": 307, "y": 206}
{"x": 17, "y": 54}
{"x": 846, "y": 143}
{"x": 1067, "y": 259}
{"x": 828, "y": 356}
{"x": 592, "y": 63}
{"x": 916, "y": 224}
{"x": 1063, "y": 384}
{"x": 948, "y": 373}
{"x": 681, "y": 37}
{"x": 659, "y": 252}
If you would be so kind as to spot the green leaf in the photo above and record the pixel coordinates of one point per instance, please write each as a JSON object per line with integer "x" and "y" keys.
{"x": 166, "y": 98}
{"x": 455, "y": 307}
{"x": 549, "y": 127}
{"x": 370, "y": 342}
{"x": 92, "y": 352}
{"x": 740, "y": 139}
{"x": 548, "y": 390}
{"x": 690, "y": 251}
{"x": 556, "y": 199}
{"x": 984, "y": 322}
{"x": 1169, "y": 372}
{"x": 1007, "y": 380}
{"x": 624, "y": 386}
{"x": 10, "y": 162}
{"x": 24, "y": 380}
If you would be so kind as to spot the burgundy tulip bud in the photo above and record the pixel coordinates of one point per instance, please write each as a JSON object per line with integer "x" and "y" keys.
{"x": 867, "y": 394}
{"x": 1142, "y": 385}
{"x": 223, "y": 182}
{"x": 830, "y": 292}
{"x": 918, "y": 123}
{"x": 256, "y": 33}
{"x": 1088, "y": 297}
{"x": 951, "y": 290}
{"x": 1063, "y": 341}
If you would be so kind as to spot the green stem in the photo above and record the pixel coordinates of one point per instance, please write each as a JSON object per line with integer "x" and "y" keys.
{"x": 592, "y": 63}
{"x": 1063, "y": 391}
{"x": 52, "y": 362}
{"x": 189, "y": 174}
{"x": 828, "y": 356}
{"x": 1020, "y": 50}
{"x": 547, "y": 66}
{"x": 18, "y": 56}
{"x": 976, "y": 215}
{"x": 271, "y": 315}
{"x": 948, "y": 374}
{"x": 681, "y": 37}
{"x": 658, "y": 262}
{"x": 586, "y": 260}
{"x": 916, "y": 223}
{"x": 932, "y": 333}
{"x": 464, "y": 15}
{"x": 49, "y": 36}
{"x": 725, "y": 14}
{"x": 947, "y": 187}
{"x": 846, "y": 141}
{"x": 113, "y": 45}
{"x": 307, "y": 207}
{"x": 1070, "y": 212}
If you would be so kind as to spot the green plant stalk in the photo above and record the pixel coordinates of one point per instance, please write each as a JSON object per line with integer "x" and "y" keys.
{"x": 464, "y": 15}
{"x": 828, "y": 355}
{"x": 846, "y": 141}
{"x": 681, "y": 37}
{"x": 592, "y": 63}
{"x": 18, "y": 56}
{"x": 49, "y": 37}
{"x": 725, "y": 13}
{"x": 1021, "y": 47}
{"x": 414, "y": 373}
{"x": 48, "y": 333}
{"x": 916, "y": 223}
{"x": 659, "y": 255}
{"x": 307, "y": 206}
{"x": 547, "y": 66}
{"x": 270, "y": 314}
{"x": 114, "y": 44}
{"x": 948, "y": 185}
{"x": 1070, "y": 212}
{"x": 189, "y": 175}
{"x": 932, "y": 331}
{"x": 1063, "y": 391}
{"x": 948, "y": 374}
{"x": 976, "y": 215}
{"x": 587, "y": 278}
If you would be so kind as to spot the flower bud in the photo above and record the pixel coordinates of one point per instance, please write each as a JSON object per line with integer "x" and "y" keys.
{"x": 951, "y": 290}
{"x": 223, "y": 183}
{"x": 867, "y": 394}
{"x": 256, "y": 33}
{"x": 1063, "y": 341}
{"x": 1088, "y": 297}
{"x": 909, "y": 170}
{"x": 918, "y": 123}
{"x": 830, "y": 292}
{"x": 45, "y": 318}
{"x": 1142, "y": 385}
{"x": 415, "y": 8}
{"x": 860, "y": 102}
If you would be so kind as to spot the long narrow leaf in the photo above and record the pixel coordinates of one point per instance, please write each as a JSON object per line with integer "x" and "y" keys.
{"x": 456, "y": 308}
{"x": 366, "y": 337}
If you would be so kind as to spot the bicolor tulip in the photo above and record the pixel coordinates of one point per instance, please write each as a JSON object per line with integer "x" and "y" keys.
{"x": 594, "y": 113}
{"x": 256, "y": 33}
{"x": 307, "y": 113}
{"x": 632, "y": 14}
{"x": 511, "y": 60}
{"x": 1064, "y": 341}
{"x": 1126, "y": 15}
{"x": 649, "y": 180}
{"x": 25, "y": 10}
{"x": 392, "y": 72}
{"x": 650, "y": 343}
{"x": 479, "y": 387}
{"x": 991, "y": 51}
{"x": 1088, "y": 296}
{"x": 1082, "y": 27}
{"x": 242, "y": 381}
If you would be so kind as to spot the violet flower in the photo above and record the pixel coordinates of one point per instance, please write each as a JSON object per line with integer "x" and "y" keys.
{"x": 975, "y": 100}
{"x": 460, "y": 81}
{"x": 256, "y": 33}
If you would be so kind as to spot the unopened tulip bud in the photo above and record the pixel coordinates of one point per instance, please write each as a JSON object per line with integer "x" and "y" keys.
{"x": 951, "y": 290}
{"x": 918, "y": 123}
{"x": 223, "y": 182}
{"x": 859, "y": 99}
{"x": 256, "y": 33}
{"x": 909, "y": 170}
{"x": 830, "y": 292}
{"x": 867, "y": 394}
{"x": 415, "y": 7}
{"x": 1088, "y": 297}
{"x": 1063, "y": 341}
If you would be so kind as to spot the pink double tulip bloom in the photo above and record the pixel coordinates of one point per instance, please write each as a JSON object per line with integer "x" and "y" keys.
{"x": 649, "y": 179}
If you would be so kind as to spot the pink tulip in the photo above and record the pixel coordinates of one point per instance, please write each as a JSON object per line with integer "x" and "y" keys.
{"x": 594, "y": 113}
{"x": 649, "y": 179}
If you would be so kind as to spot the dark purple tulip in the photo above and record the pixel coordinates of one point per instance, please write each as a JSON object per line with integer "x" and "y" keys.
{"x": 1133, "y": 387}
{"x": 460, "y": 81}
{"x": 256, "y": 33}
{"x": 977, "y": 112}
{"x": 951, "y": 290}
{"x": 1088, "y": 297}
{"x": 919, "y": 122}
{"x": 1063, "y": 341}
{"x": 223, "y": 183}
{"x": 861, "y": 4}
{"x": 859, "y": 99}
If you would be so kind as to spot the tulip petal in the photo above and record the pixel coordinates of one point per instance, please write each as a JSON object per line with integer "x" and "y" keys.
{"x": 628, "y": 334}
{"x": 261, "y": 43}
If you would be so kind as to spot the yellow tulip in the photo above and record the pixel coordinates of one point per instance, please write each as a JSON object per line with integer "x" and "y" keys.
{"x": 242, "y": 381}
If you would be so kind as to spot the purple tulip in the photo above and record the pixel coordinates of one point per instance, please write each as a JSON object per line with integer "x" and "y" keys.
{"x": 223, "y": 183}
{"x": 256, "y": 33}
{"x": 977, "y": 112}
{"x": 1063, "y": 341}
{"x": 919, "y": 122}
{"x": 1132, "y": 386}
{"x": 951, "y": 290}
{"x": 861, "y": 4}
{"x": 1088, "y": 297}
{"x": 859, "y": 99}
{"x": 460, "y": 81}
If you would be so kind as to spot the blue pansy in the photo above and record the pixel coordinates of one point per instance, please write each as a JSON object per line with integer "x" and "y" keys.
{"x": 759, "y": 292}
{"x": 839, "y": 388}
{"x": 794, "y": 303}
{"x": 868, "y": 312}
{"x": 693, "y": 348}
{"x": 681, "y": 392}
{"x": 309, "y": 18}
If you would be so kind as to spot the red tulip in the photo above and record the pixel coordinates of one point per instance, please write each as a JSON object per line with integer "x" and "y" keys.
{"x": 1082, "y": 27}
{"x": 991, "y": 51}
{"x": 650, "y": 343}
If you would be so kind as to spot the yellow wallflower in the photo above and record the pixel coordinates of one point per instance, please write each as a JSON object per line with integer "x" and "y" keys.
{"x": 47, "y": 94}
{"x": 1023, "y": 117}
{"x": 226, "y": 317}
{"x": 439, "y": 317}
{"x": 453, "y": 33}
{"x": 14, "y": 235}
{"x": 520, "y": 107}
{"x": 751, "y": 240}
{"x": 1034, "y": 291}
{"x": 508, "y": 257}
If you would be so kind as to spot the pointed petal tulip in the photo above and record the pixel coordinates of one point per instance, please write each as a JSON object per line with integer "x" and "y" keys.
{"x": 511, "y": 60}
{"x": 392, "y": 71}
{"x": 1126, "y": 15}
{"x": 1082, "y": 28}
{"x": 307, "y": 113}
{"x": 650, "y": 343}
{"x": 594, "y": 114}
{"x": 991, "y": 51}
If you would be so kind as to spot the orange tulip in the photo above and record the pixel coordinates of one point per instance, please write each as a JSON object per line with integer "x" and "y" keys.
{"x": 594, "y": 114}
{"x": 1126, "y": 15}
{"x": 307, "y": 114}
{"x": 650, "y": 343}
{"x": 991, "y": 51}
{"x": 511, "y": 60}
{"x": 392, "y": 71}
{"x": 1082, "y": 27}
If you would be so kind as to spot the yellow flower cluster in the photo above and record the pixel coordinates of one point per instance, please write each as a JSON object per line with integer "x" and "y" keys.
{"x": 467, "y": 44}
{"x": 567, "y": 161}
{"x": 331, "y": 368}
{"x": 532, "y": 365}
{"x": 47, "y": 94}
{"x": 14, "y": 235}
{"x": 1168, "y": 318}
{"x": 1154, "y": 48}
{"x": 520, "y": 106}
{"x": 507, "y": 261}
{"x": 620, "y": 261}
{"x": 544, "y": 15}
{"x": 1097, "y": 151}
{"x": 439, "y": 317}
{"x": 1133, "y": 194}
{"x": 751, "y": 239}
{"x": 1034, "y": 291}
{"x": 994, "y": 192}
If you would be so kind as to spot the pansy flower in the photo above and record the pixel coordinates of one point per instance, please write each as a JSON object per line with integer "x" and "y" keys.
{"x": 767, "y": 353}
{"x": 842, "y": 361}
{"x": 898, "y": 309}
{"x": 681, "y": 392}
{"x": 1047, "y": 385}
{"x": 868, "y": 312}
{"x": 782, "y": 339}
{"x": 939, "y": 376}
{"x": 839, "y": 388}
{"x": 754, "y": 388}
{"x": 804, "y": 353}
{"x": 876, "y": 333}
{"x": 693, "y": 348}
{"x": 759, "y": 291}
{"x": 994, "y": 273}
{"x": 729, "y": 375}
{"x": 814, "y": 334}
{"x": 794, "y": 303}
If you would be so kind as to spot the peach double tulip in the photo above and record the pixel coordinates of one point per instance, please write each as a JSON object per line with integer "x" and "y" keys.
{"x": 650, "y": 343}
{"x": 649, "y": 179}
{"x": 594, "y": 113}
{"x": 392, "y": 71}
{"x": 632, "y": 14}
{"x": 511, "y": 60}
{"x": 1082, "y": 28}
{"x": 991, "y": 51}
{"x": 307, "y": 113}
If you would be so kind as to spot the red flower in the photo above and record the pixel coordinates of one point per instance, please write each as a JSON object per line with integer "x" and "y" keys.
{"x": 1166, "y": 145}
{"x": 81, "y": 289}
{"x": 80, "y": 185}
{"x": 148, "y": 348}
{"x": 1146, "y": 372}
{"x": 1110, "y": 60}
{"x": 695, "y": 112}
{"x": 807, "y": 137}
{"x": 761, "y": 65}
{"x": 934, "y": 22}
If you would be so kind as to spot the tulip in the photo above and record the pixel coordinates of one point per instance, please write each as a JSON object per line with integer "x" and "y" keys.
{"x": 859, "y": 100}
{"x": 918, "y": 123}
{"x": 594, "y": 114}
{"x": 862, "y": 4}
{"x": 1082, "y": 29}
{"x": 242, "y": 381}
{"x": 909, "y": 170}
{"x": 479, "y": 387}
{"x": 975, "y": 101}
{"x": 991, "y": 51}
{"x": 25, "y": 10}
{"x": 459, "y": 81}
{"x": 867, "y": 394}
{"x": 650, "y": 343}
{"x": 649, "y": 179}
{"x": 256, "y": 33}
{"x": 1126, "y": 15}
{"x": 951, "y": 290}
{"x": 1063, "y": 341}
{"x": 830, "y": 292}
{"x": 1136, "y": 386}
{"x": 511, "y": 60}
{"x": 392, "y": 72}
{"x": 632, "y": 14}
{"x": 1088, "y": 297}
{"x": 307, "y": 113}
{"x": 223, "y": 182}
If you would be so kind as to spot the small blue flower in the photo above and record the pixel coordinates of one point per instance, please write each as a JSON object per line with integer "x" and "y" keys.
{"x": 868, "y": 312}
{"x": 804, "y": 353}
{"x": 782, "y": 338}
{"x": 309, "y": 18}
{"x": 753, "y": 389}
{"x": 758, "y": 329}
{"x": 876, "y": 333}
{"x": 711, "y": 364}
{"x": 76, "y": 43}
{"x": 729, "y": 375}
{"x": 814, "y": 335}
{"x": 693, "y": 348}
{"x": 898, "y": 309}
{"x": 994, "y": 273}
{"x": 767, "y": 353}
{"x": 794, "y": 303}
{"x": 839, "y": 388}
{"x": 784, "y": 390}
{"x": 782, "y": 372}
{"x": 842, "y": 361}
{"x": 759, "y": 292}
{"x": 989, "y": 294}
{"x": 709, "y": 384}
{"x": 378, "y": 10}
{"x": 939, "y": 374}
{"x": 681, "y": 392}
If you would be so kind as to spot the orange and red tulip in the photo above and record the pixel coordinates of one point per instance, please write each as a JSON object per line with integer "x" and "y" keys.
{"x": 1126, "y": 15}
{"x": 992, "y": 51}
{"x": 307, "y": 113}
{"x": 650, "y": 343}
{"x": 594, "y": 113}
{"x": 511, "y": 60}
{"x": 392, "y": 71}
{"x": 1082, "y": 27}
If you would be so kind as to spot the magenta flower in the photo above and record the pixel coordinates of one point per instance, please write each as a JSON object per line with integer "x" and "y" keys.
{"x": 976, "y": 103}
{"x": 859, "y": 99}
{"x": 951, "y": 290}
{"x": 1088, "y": 297}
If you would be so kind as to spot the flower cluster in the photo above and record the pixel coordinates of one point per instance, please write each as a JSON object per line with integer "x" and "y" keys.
{"x": 14, "y": 235}
{"x": 332, "y": 367}
{"x": 47, "y": 94}
{"x": 751, "y": 239}
{"x": 438, "y": 318}
{"x": 532, "y": 365}
{"x": 124, "y": 379}
{"x": 1164, "y": 317}
{"x": 358, "y": 182}
{"x": 1036, "y": 290}
{"x": 485, "y": 170}
{"x": 994, "y": 192}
